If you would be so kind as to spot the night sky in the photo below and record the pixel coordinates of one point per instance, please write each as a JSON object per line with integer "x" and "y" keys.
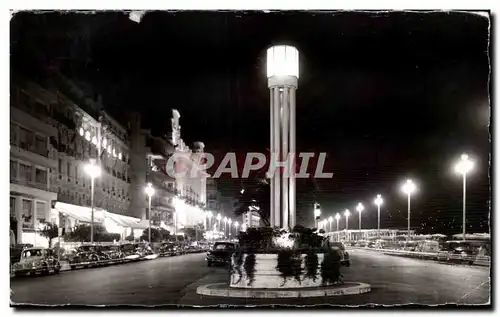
{"x": 386, "y": 95}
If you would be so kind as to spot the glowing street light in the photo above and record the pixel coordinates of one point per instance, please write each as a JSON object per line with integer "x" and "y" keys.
{"x": 92, "y": 170}
{"x": 408, "y": 188}
{"x": 464, "y": 166}
{"x": 229, "y": 221}
{"x": 337, "y": 217}
{"x": 347, "y": 213}
{"x": 378, "y": 201}
{"x": 360, "y": 208}
{"x": 330, "y": 220}
{"x": 219, "y": 217}
{"x": 150, "y": 191}
{"x": 236, "y": 224}
{"x": 317, "y": 213}
{"x": 225, "y": 224}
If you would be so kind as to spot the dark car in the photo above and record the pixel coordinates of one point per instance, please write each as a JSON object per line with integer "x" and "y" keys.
{"x": 168, "y": 248}
{"x": 129, "y": 252}
{"x": 36, "y": 261}
{"x": 113, "y": 252}
{"x": 88, "y": 255}
{"x": 345, "y": 261}
{"x": 143, "y": 250}
{"x": 457, "y": 252}
{"x": 220, "y": 253}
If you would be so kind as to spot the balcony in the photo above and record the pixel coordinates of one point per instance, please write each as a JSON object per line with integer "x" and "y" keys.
{"x": 32, "y": 123}
{"x": 32, "y": 189}
{"x": 29, "y": 154}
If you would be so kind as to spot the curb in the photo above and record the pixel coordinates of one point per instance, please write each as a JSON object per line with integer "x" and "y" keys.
{"x": 223, "y": 290}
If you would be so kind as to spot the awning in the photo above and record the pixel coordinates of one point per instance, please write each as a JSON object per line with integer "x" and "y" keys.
{"x": 80, "y": 213}
{"x": 124, "y": 221}
{"x": 144, "y": 224}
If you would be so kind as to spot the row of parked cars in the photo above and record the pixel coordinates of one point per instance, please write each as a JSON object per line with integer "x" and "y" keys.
{"x": 456, "y": 251}
{"x": 29, "y": 260}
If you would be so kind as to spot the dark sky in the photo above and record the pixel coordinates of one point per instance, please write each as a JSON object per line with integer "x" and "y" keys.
{"x": 385, "y": 95}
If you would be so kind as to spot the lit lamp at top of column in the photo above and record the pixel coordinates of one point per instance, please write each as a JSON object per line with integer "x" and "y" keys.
{"x": 282, "y": 65}
{"x": 464, "y": 166}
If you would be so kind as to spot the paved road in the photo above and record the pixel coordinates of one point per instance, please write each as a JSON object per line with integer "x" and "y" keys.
{"x": 394, "y": 281}
{"x": 173, "y": 280}
{"x": 154, "y": 282}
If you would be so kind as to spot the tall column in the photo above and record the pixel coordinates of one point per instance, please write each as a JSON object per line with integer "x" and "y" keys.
{"x": 275, "y": 156}
{"x": 293, "y": 157}
{"x": 282, "y": 73}
{"x": 271, "y": 151}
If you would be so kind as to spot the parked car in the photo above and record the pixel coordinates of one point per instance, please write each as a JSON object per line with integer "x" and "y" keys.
{"x": 113, "y": 252}
{"x": 129, "y": 252}
{"x": 457, "y": 252}
{"x": 143, "y": 249}
{"x": 220, "y": 253}
{"x": 36, "y": 261}
{"x": 88, "y": 255}
{"x": 168, "y": 248}
{"x": 345, "y": 261}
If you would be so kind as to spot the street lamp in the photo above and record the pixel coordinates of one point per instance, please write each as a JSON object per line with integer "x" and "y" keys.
{"x": 378, "y": 201}
{"x": 229, "y": 221}
{"x": 317, "y": 213}
{"x": 219, "y": 217}
{"x": 337, "y": 217}
{"x": 408, "y": 188}
{"x": 360, "y": 208}
{"x": 225, "y": 223}
{"x": 330, "y": 220}
{"x": 150, "y": 191}
{"x": 93, "y": 170}
{"x": 347, "y": 213}
{"x": 463, "y": 167}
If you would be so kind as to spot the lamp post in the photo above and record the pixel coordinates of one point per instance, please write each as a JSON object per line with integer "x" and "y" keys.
{"x": 209, "y": 216}
{"x": 229, "y": 221}
{"x": 317, "y": 214}
{"x": 330, "y": 220}
{"x": 93, "y": 170}
{"x": 347, "y": 213}
{"x": 360, "y": 208}
{"x": 337, "y": 217}
{"x": 236, "y": 224}
{"x": 225, "y": 223}
{"x": 282, "y": 79}
{"x": 408, "y": 188}
{"x": 378, "y": 201}
{"x": 463, "y": 167}
{"x": 219, "y": 217}
{"x": 150, "y": 191}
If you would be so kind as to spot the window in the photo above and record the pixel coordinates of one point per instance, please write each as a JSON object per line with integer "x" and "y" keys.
{"x": 13, "y": 207}
{"x": 68, "y": 169}
{"x": 40, "y": 211}
{"x": 41, "y": 176}
{"x": 13, "y": 169}
{"x": 27, "y": 214}
{"x": 41, "y": 145}
{"x": 26, "y": 139}
{"x": 25, "y": 172}
{"x": 13, "y": 134}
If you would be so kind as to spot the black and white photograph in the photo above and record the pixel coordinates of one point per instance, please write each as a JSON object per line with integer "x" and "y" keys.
{"x": 250, "y": 158}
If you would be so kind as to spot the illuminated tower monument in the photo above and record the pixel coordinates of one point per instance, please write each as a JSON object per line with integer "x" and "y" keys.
{"x": 283, "y": 75}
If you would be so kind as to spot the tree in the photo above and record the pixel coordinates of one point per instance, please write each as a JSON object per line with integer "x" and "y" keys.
{"x": 157, "y": 234}
{"x": 82, "y": 234}
{"x": 191, "y": 233}
{"x": 50, "y": 231}
{"x": 255, "y": 196}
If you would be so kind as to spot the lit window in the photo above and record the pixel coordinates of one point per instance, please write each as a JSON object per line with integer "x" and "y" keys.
{"x": 81, "y": 131}
{"x": 87, "y": 135}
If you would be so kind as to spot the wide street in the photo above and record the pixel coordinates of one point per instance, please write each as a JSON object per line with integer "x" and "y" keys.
{"x": 173, "y": 280}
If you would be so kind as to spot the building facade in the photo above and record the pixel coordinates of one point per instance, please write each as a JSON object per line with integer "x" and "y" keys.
{"x": 179, "y": 201}
{"x": 32, "y": 159}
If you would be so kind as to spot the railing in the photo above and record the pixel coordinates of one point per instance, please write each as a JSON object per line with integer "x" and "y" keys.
{"x": 25, "y": 182}
{"x": 435, "y": 256}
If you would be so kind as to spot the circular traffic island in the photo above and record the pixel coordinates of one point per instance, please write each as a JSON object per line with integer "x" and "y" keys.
{"x": 270, "y": 264}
